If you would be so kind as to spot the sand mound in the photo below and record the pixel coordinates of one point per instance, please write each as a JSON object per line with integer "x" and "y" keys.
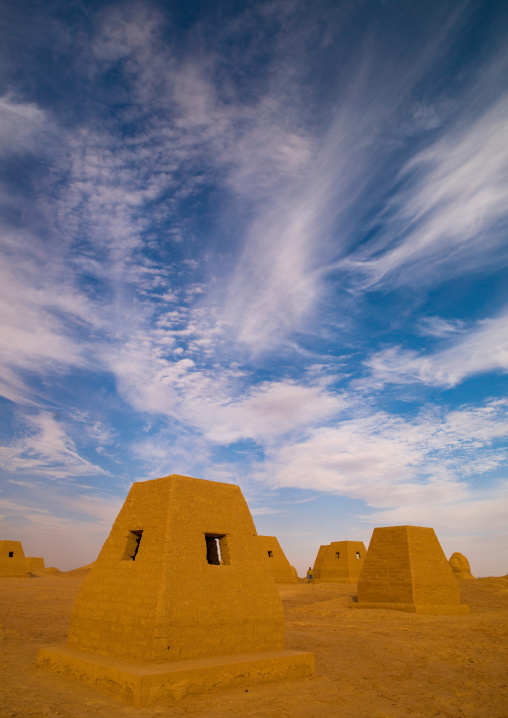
{"x": 49, "y": 571}
{"x": 75, "y": 572}
{"x": 494, "y": 583}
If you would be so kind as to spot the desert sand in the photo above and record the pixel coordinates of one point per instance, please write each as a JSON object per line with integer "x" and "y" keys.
{"x": 369, "y": 663}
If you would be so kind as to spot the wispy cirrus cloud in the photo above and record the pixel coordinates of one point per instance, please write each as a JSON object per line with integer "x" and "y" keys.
{"x": 433, "y": 326}
{"x": 46, "y": 450}
{"x": 293, "y": 186}
{"x": 443, "y": 207}
{"x": 452, "y": 217}
{"x": 121, "y": 192}
{"x": 390, "y": 461}
{"x": 219, "y": 404}
{"x": 482, "y": 349}
{"x": 44, "y": 317}
{"x": 23, "y": 124}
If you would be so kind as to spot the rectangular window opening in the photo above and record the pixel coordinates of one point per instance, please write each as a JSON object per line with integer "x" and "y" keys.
{"x": 270, "y": 554}
{"x": 358, "y": 554}
{"x": 217, "y": 550}
{"x": 11, "y": 554}
{"x": 337, "y": 554}
{"x": 132, "y": 546}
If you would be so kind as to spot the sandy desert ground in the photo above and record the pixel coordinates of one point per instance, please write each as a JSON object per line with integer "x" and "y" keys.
{"x": 369, "y": 664}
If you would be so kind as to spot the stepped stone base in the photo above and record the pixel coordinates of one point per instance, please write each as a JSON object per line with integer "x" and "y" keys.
{"x": 440, "y": 610}
{"x": 143, "y": 684}
{"x": 15, "y": 575}
{"x": 334, "y": 580}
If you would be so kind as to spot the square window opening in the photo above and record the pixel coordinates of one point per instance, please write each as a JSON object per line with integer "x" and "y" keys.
{"x": 217, "y": 549}
{"x": 132, "y": 546}
{"x": 11, "y": 554}
{"x": 337, "y": 554}
{"x": 270, "y": 554}
{"x": 358, "y": 554}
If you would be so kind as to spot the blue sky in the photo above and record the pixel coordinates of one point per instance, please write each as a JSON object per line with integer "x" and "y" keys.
{"x": 261, "y": 243}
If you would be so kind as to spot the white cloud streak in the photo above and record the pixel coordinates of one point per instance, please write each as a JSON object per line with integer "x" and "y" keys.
{"x": 218, "y": 404}
{"x": 21, "y": 125}
{"x": 453, "y": 216}
{"x": 438, "y": 327}
{"x": 46, "y": 450}
{"x": 389, "y": 461}
{"x": 44, "y": 318}
{"x": 483, "y": 349}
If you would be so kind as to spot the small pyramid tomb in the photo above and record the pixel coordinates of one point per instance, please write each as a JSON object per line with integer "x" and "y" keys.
{"x": 339, "y": 562}
{"x": 179, "y": 600}
{"x": 35, "y": 564}
{"x": 279, "y": 566}
{"x": 460, "y": 566}
{"x": 13, "y": 560}
{"x": 406, "y": 570}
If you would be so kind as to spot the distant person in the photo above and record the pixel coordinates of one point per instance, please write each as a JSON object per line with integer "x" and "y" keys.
{"x": 309, "y": 574}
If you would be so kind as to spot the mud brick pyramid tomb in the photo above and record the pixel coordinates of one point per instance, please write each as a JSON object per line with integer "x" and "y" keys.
{"x": 12, "y": 560}
{"x": 179, "y": 600}
{"x": 35, "y": 564}
{"x": 339, "y": 562}
{"x": 460, "y": 566}
{"x": 14, "y": 563}
{"x": 406, "y": 570}
{"x": 280, "y": 567}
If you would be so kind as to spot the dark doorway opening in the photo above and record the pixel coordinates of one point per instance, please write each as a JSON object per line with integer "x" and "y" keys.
{"x": 217, "y": 549}
{"x": 132, "y": 546}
